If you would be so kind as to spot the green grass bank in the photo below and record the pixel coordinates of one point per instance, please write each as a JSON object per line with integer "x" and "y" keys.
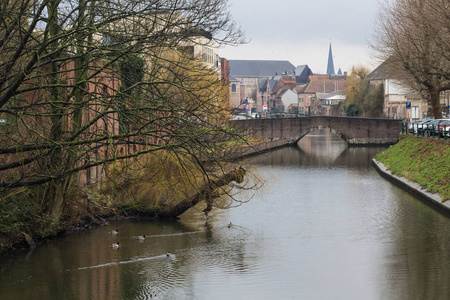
{"x": 425, "y": 161}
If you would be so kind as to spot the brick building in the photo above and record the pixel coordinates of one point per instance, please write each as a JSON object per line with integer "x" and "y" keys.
{"x": 254, "y": 80}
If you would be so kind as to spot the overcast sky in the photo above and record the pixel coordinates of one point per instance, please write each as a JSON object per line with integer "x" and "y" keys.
{"x": 300, "y": 31}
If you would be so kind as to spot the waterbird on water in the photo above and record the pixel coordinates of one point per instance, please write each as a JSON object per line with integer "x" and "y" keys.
{"x": 229, "y": 225}
{"x": 115, "y": 246}
{"x": 168, "y": 254}
{"x": 141, "y": 238}
{"x": 114, "y": 232}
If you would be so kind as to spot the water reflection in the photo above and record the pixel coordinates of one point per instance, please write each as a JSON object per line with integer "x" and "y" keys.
{"x": 325, "y": 147}
{"x": 320, "y": 149}
{"x": 326, "y": 227}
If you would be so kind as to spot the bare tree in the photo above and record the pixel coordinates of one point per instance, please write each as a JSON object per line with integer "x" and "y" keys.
{"x": 413, "y": 37}
{"x": 87, "y": 83}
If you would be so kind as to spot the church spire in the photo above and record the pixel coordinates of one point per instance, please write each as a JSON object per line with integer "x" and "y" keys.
{"x": 330, "y": 66}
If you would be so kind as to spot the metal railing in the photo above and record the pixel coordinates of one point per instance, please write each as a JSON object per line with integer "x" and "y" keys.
{"x": 429, "y": 131}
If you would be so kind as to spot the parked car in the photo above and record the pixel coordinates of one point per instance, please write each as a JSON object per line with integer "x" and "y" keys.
{"x": 417, "y": 126}
{"x": 240, "y": 116}
{"x": 432, "y": 128}
{"x": 443, "y": 128}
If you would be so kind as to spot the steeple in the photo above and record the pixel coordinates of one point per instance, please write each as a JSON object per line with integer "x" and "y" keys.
{"x": 330, "y": 66}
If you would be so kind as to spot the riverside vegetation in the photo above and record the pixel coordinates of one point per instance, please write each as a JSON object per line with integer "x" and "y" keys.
{"x": 150, "y": 187}
{"x": 422, "y": 160}
{"x": 113, "y": 97}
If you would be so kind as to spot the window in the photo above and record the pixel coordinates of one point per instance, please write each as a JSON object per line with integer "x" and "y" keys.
{"x": 415, "y": 112}
{"x": 233, "y": 88}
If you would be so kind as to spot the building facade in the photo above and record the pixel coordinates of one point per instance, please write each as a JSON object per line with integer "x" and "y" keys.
{"x": 397, "y": 95}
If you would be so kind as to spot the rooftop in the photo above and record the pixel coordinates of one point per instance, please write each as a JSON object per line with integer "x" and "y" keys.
{"x": 260, "y": 68}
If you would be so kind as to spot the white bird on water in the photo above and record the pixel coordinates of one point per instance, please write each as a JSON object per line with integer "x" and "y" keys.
{"x": 114, "y": 232}
{"x": 115, "y": 245}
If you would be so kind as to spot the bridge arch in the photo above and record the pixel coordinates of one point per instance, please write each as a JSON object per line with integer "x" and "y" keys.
{"x": 316, "y": 128}
{"x": 355, "y": 131}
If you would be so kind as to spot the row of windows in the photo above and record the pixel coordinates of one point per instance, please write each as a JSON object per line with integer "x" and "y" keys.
{"x": 310, "y": 98}
{"x": 248, "y": 80}
{"x": 234, "y": 89}
{"x": 209, "y": 56}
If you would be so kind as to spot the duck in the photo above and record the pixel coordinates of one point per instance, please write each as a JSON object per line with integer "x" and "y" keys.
{"x": 229, "y": 225}
{"x": 115, "y": 245}
{"x": 141, "y": 238}
{"x": 114, "y": 232}
{"x": 168, "y": 254}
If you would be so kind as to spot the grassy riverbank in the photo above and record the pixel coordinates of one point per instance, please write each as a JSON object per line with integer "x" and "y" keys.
{"x": 422, "y": 160}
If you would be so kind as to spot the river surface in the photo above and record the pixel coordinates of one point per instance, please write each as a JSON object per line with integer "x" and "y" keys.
{"x": 326, "y": 225}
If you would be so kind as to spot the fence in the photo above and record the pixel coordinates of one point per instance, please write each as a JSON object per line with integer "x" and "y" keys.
{"x": 441, "y": 130}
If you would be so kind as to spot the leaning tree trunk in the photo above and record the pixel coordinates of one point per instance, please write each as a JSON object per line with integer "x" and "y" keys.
{"x": 206, "y": 193}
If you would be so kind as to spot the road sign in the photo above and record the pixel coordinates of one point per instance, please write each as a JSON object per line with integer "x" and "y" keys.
{"x": 265, "y": 107}
{"x": 247, "y": 107}
{"x": 408, "y": 105}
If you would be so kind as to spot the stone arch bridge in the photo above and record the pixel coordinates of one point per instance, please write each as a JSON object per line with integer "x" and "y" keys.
{"x": 355, "y": 131}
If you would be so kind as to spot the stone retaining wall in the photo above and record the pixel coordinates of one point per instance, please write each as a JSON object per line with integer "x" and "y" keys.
{"x": 413, "y": 187}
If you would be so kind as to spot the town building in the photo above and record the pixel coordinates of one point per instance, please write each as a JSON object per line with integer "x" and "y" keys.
{"x": 333, "y": 103}
{"x": 396, "y": 95}
{"x": 277, "y": 83}
{"x": 254, "y": 80}
{"x": 314, "y": 95}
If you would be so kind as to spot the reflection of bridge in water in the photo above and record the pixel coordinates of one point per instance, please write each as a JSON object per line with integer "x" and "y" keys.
{"x": 355, "y": 131}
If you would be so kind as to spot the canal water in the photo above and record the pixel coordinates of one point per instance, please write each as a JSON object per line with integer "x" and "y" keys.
{"x": 324, "y": 226}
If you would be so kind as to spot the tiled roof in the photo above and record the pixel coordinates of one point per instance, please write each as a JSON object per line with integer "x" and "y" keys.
{"x": 325, "y": 86}
{"x": 335, "y": 95}
{"x": 232, "y": 78}
{"x": 379, "y": 73}
{"x": 283, "y": 91}
{"x": 272, "y": 84}
{"x": 302, "y": 73}
{"x": 260, "y": 68}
